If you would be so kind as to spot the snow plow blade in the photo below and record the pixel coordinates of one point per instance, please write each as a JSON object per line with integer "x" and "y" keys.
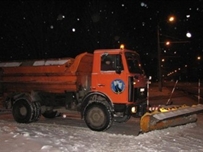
{"x": 169, "y": 116}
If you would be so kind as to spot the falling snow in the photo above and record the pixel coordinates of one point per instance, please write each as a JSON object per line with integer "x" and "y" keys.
{"x": 37, "y": 29}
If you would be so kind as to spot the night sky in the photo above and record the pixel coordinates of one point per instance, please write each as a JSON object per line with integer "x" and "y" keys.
{"x": 55, "y": 29}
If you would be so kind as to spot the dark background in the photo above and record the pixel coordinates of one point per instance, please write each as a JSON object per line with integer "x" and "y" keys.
{"x": 45, "y": 29}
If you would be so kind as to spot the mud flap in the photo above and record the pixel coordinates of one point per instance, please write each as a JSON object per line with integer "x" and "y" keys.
{"x": 179, "y": 115}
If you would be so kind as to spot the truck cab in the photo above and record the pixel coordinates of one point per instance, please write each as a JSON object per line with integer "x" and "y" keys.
{"x": 118, "y": 88}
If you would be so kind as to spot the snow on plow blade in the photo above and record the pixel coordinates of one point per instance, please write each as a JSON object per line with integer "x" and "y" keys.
{"x": 169, "y": 116}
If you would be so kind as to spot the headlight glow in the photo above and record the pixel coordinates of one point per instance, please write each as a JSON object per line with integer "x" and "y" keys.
{"x": 142, "y": 89}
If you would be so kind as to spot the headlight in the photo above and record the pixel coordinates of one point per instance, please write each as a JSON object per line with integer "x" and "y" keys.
{"x": 142, "y": 89}
{"x": 133, "y": 109}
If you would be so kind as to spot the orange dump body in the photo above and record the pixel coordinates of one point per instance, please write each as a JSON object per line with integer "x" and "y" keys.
{"x": 55, "y": 76}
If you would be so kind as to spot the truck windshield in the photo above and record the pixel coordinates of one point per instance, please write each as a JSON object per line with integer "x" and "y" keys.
{"x": 133, "y": 63}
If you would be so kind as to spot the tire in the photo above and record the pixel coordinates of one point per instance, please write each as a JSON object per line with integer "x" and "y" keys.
{"x": 50, "y": 114}
{"x": 98, "y": 117}
{"x": 36, "y": 111}
{"x": 22, "y": 111}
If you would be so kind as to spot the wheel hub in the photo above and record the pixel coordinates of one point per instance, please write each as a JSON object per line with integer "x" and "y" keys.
{"x": 23, "y": 111}
{"x": 96, "y": 117}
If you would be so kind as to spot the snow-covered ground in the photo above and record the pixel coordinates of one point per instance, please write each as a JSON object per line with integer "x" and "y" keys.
{"x": 49, "y": 137}
{"x": 60, "y": 136}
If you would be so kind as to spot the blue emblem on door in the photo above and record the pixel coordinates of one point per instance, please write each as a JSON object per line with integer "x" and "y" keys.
{"x": 117, "y": 86}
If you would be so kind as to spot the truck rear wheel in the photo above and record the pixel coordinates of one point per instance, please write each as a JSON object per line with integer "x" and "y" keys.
{"x": 98, "y": 117}
{"x": 36, "y": 111}
{"x": 22, "y": 111}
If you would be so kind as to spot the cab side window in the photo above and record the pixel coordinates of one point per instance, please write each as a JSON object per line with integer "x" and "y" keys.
{"x": 110, "y": 62}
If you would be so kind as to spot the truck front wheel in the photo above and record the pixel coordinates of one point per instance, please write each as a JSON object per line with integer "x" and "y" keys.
{"x": 98, "y": 117}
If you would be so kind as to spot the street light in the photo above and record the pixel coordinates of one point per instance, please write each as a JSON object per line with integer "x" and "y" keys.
{"x": 199, "y": 73}
{"x": 198, "y": 57}
{"x": 160, "y": 83}
{"x": 171, "y": 19}
{"x": 170, "y": 42}
{"x": 198, "y": 66}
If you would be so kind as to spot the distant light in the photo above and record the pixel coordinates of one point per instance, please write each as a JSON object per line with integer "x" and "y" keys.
{"x": 188, "y": 16}
{"x": 171, "y": 19}
{"x": 188, "y": 34}
{"x": 143, "y": 4}
{"x": 73, "y": 29}
{"x": 60, "y": 17}
{"x": 199, "y": 58}
{"x": 51, "y": 27}
{"x": 168, "y": 43}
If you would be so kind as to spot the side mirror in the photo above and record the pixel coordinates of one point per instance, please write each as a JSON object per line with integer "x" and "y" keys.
{"x": 118, "y": 70}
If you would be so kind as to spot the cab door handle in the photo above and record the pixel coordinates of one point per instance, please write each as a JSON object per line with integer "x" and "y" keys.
{"x": 101, "y": 85}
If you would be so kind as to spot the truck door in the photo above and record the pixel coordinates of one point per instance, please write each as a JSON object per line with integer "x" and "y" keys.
{"x": 111, "y": 82}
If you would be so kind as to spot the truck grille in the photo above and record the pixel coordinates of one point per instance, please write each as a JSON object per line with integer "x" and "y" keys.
{"x": 136, "y": 94}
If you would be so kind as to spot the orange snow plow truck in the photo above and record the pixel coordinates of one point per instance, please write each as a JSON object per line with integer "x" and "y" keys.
{"x": 106, "y": 86}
